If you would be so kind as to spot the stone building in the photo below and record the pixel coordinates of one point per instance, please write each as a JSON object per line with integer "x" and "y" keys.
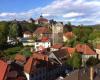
{"x": 57, "y": 33}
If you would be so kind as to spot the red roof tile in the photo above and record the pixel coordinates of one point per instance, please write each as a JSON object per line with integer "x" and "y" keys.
{"x": 70, "y": 50}
{"x": 3, "y": 69}
{"x": 85, "y": 49}
{"x": 28, "y": 65}
{"x": 20, "y": 58}
{"x": 41, "y": 30}
{"x": 33, "y": 61}
{"x": 41, "y": 19}
{"x": 57, "y": 46}
{"x": 44, "y": 39}
{"x": 40, "y": 56}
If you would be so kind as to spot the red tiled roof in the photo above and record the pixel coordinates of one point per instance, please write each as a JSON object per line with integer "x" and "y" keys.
{"x": 85, "y": 49}
{"x": 3, "y": 69}
{"x": 28, "y": 65}
{"x": 69, "y": 35}
{"x": 33, "y": 61}
{"x": 44, "y": 39}
{"x": 40, "y": 56}
{"x": 20, "y": 58}
{"x": 41, "y": 30}
{"x": 57, "y": 46}
{"x": 41, "y": 19}
{"x": 70, "y": 50}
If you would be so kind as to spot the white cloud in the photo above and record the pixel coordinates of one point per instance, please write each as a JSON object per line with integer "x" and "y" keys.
{"x": 46, "y": 15}
{"x": 72, "y": 14}
{"x": 7, "y": 14}
{"x": 80, "y": 10}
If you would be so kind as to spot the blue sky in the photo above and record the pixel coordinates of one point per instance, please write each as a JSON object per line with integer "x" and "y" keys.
{"x": 77, "y": 11}
{"x": 21, "y": 5}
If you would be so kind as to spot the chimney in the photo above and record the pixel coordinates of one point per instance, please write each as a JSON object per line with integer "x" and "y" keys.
{"x": 91, "y": 73}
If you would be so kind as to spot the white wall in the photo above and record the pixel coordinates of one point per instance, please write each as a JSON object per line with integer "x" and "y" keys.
{"x": 28, "y": 44}
{"x": 44, "y": 44}
{"x": 27, "y": 35}
{"x": 98, "y": 52}
{"x": 86, "y": 57}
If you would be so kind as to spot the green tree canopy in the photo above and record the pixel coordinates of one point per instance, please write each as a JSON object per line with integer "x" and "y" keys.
{"x": 92, "y": 61}
{"x": 75, "y": 61}
{"x": 26, "y": 52}
{"x": 13, "y": 30}
{"x": 3, "y": 32}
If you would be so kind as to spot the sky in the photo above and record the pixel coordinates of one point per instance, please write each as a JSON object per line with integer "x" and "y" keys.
{"x": 78, "y": 12}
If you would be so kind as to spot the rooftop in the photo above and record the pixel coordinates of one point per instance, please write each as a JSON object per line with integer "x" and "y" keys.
{"x": 20, "y": 58}
{"x": 42, "y": 19}
{"x": 84, "y": 49}
{"x": 3, "y": 69}
{"x": 57, "y": 46}
{"x": 41, "y": 30}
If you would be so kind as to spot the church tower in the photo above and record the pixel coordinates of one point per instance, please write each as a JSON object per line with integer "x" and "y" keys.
{"x": 57, "y": 33}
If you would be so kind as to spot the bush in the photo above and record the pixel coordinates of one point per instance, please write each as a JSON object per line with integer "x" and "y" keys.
{"x": 92, "y": 61}
{"x": 10, "y": 52}
{"x": 75, "y": 61}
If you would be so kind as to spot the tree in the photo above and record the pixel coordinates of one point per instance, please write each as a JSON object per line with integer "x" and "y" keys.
{"x": 82, "y": 33}
{"x": 10, "y": 52}
{"x": 75, "y": 61}
{"x": 26, "y": 52}
{"x": 68, "y": 27}
{"x": 72, "y": 42}
{"x": 13, "y": 30}
{"x": 69, "y": 23}
{"x": 92, "y": 61}
{"x": 20, "y": 30}
{"x": 3, "y": 32}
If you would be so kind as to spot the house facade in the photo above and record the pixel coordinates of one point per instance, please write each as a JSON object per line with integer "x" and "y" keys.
{"x": 38, "y": 46}
{"x": 43, "y": 67}
{"x": 42, "y": 32}
{"x": 98, "y": 51}
{"x": 85, "y": 51}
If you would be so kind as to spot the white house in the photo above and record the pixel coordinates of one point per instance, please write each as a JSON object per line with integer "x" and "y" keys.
{"x": 27, "y": 41}
{"x": 98, "y": 51}
{"x": 41, "y": 45}
{"x": 27, "y": 34}
{"x": 85, "y": 51}
{"x": 11, "y": 41}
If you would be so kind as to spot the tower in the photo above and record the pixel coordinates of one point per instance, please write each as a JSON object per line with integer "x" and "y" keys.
{"x": 57, "y": 33}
